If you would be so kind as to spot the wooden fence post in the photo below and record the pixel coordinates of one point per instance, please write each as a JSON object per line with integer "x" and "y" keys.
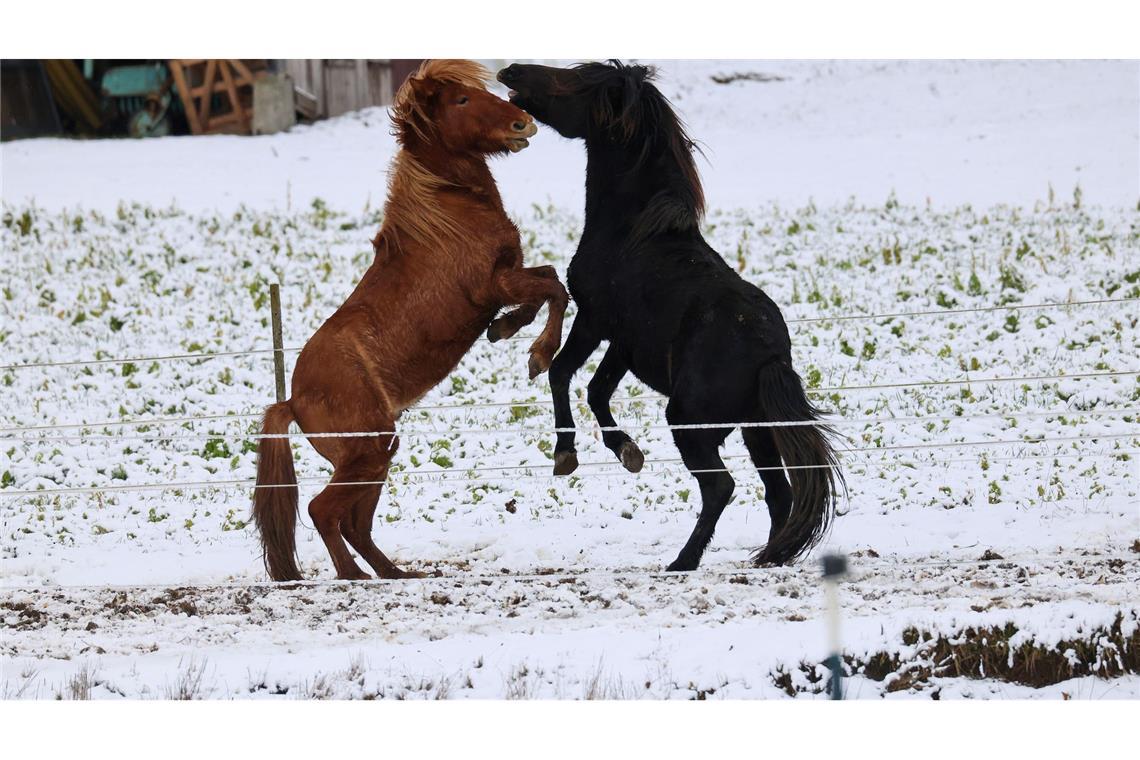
{"x": 278, "y": 346}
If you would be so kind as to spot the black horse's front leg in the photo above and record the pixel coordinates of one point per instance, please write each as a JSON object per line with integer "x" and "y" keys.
{"x": 599, "y": 392}
{"x": 580, "y": 343}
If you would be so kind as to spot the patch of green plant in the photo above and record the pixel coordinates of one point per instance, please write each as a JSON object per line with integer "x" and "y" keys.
{"x": 1011, "y": 279}
{"x": 216, "y": 448}
{"x": 945, "y": 301}
{"x": 994, "y": 492}
{"x": 974, "y": 285}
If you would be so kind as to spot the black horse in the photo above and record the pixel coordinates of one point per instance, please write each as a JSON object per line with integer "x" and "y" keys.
{"x": 674, "y": 313}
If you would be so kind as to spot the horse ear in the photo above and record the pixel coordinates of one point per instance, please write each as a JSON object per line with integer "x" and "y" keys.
{"x": 424, "y": 88}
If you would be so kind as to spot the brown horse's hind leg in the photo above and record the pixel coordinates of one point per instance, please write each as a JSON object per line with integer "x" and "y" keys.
{"x": 370, "y": 467}
{"x": 329, "y": 510}
{"x": 357, "y": 529}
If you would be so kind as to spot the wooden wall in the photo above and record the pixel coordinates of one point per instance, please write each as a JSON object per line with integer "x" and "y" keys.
{"x": 340, "y": 85}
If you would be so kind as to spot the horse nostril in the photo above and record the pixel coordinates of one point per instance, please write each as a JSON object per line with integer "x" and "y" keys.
{"x": 518, "y": 126}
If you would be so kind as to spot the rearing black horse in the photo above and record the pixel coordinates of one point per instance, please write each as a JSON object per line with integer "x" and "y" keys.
{"x": 674, "y": 313}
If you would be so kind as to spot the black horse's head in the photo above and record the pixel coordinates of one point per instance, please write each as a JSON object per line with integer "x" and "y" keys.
{"x": 589, "y": 100}
{"x": 613, "y": 104}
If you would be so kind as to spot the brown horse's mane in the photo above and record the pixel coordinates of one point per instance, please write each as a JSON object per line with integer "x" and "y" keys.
{"x": 411, "y": 208}
{"x": 409, "y": 115}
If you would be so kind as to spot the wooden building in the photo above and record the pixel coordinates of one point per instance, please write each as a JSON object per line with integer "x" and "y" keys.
{"x": 200, "y": 96}
{"x": 332, "y": 86}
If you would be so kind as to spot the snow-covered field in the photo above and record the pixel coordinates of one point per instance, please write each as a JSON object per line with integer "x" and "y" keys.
{"x": 842, "y": 189}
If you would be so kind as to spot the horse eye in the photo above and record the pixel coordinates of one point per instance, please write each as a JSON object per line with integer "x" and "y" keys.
{"x": 462, "y": 100}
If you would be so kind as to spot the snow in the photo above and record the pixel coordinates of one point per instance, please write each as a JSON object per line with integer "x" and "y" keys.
{"x": 841, "y": 188}
{"x": 953, "y": 132}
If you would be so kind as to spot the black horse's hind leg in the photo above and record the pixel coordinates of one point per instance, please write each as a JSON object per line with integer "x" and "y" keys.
{"x": 699, "y": 452}
{"x": 777, "y": 492}
{"x": 598, "y": 393}
{"x": 580, "y": 343}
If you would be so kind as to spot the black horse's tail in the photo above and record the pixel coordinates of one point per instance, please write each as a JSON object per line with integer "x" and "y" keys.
{"x": 810, "y": 458}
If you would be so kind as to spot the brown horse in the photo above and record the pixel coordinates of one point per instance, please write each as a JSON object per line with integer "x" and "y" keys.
{"x": 447, "y": 260}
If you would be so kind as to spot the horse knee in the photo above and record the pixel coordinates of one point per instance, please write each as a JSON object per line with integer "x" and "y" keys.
{"x": 717, "y": 489}
{"x": 559, "y": 376}
{"x": 597, "y": 395}
{"x": 725, "y": 488}
{"x": 325, "y": 514}
{"x": 560, "y": 299}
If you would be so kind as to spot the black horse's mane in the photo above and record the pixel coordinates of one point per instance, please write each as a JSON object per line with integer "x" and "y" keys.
{"x": 645, "y": 115}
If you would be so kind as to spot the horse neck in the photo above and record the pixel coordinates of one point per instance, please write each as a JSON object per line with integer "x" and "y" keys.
{"x": 418, "y": 218}
{"x": 457, "y": 172}
{"x": 621, "y": 184}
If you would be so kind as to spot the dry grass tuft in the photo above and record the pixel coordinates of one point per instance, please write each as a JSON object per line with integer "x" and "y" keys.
{"x": 188, "y": 685}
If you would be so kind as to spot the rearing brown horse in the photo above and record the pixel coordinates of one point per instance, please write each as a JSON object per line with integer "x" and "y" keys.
{"x": 447, "y": 260}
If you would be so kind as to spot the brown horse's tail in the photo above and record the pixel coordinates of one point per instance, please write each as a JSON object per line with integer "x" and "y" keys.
{"x": 275, "y": 498}
{"x": 813, "y": 467}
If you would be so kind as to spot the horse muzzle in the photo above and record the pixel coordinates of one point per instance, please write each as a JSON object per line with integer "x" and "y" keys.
{"x": 521, "y": 132}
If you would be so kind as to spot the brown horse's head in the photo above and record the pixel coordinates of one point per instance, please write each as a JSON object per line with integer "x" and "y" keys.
{"x": 446, "y": 105}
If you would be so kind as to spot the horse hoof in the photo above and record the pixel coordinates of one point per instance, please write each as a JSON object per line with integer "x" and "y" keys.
{"x": 396, "y": 574}
{"x": 537, "y": 365}
{"x": 631, "y": 457}
{"x": 565, "y": 462}
{"x": 357, "y": 576}
{"x": 679, "y": 566}
{"x": 764, "y": 559}
{"x": 496, "y": 331}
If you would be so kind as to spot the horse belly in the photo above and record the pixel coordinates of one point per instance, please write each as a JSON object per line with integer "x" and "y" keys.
{"x": 651, "y": 369}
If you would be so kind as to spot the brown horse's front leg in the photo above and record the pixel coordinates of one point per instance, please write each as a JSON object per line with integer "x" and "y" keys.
{"x": 530, "y": 289}
{"x": 506, "y": 325}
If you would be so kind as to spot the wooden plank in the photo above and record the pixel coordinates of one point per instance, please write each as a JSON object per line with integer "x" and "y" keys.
{"x": 235, "y": 103}
{"x": 379, "y": 83}
{"x": 243, "y": 74}
{"x": 362, "y": 96}
{"x": 305, "y": 102}
{"x": 341, "y": 87}
{"x": 187, "y": 98}
{"x": 219, "y": 87}
{"x": 207, "y": 80}
{"x": 317, "y": 80}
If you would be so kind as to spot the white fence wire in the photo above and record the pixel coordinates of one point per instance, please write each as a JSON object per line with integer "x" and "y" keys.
{"x": 198, "y": 356}
{"x": 10, "y": 431}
